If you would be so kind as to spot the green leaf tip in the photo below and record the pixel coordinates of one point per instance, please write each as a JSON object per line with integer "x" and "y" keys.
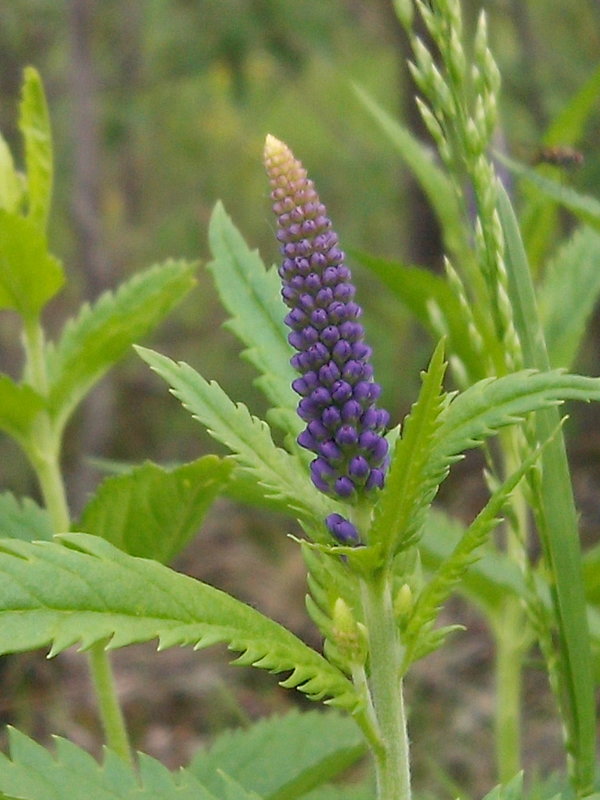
{"x": 34, "y": 122}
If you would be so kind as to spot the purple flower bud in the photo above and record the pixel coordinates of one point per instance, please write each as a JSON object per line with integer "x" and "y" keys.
{"x": 331, "y": 418}
{"x": 344, "y": 487}
{"x": 342, "y": 529}
{"x": 307, "y": 440}
{"x": 338, "y": 395}
{"x": 330, "y": 452}
{"x": 359, "y": 468}
{"x": 347, "y": 436}
{"x": 317, "y": 429}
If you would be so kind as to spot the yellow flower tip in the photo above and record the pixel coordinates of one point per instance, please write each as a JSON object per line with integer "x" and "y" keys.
{"x": 274, "y": 148}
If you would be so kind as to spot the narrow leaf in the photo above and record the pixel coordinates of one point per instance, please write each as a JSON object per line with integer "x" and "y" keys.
{"x": 90, "y": 592}
{"x": 33, "y": 773}
{"x": 23, "y": 519}
{"x": 34, "y": 122}
{"x": 247, "y": 437}
{"x": 567, "y": 127}
{"x": 586, "y": 207}
{"x": 101, "y": 334}
{"x": 153, "y": 512}
{"x": 557, "y": 522}
{"x": 435, "y": 184}
{"x": 252, "y": 296}
{"x": 539, "y": 216}
{"x": 417, "y": 288}
{"x": 282, "y": 757}
{"x": 29, "y": 275}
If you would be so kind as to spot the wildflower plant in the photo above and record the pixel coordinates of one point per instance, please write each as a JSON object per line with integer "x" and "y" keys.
{"x": 381, "y": 562}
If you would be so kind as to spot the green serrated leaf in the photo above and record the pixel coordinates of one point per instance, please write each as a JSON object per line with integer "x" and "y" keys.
{"x": 230, "y": 789}
{"x": 487, "y": 581}
{"x": 34, "y": 122}
{"x": 154, "y": 512}
{"x": 282, "y": 758}
{"x": 33, "y": 773}
{"x": 568, "y": 295}
{"x": 23, "y": 519}
{"x": 19, "y": 406}
{"x": 29, "y": 275}
{"x": 11, "y": 182}
{"x": 489, "y": 405}
{"x": 90, "y": 591}
{"x": 513, "y": 790}
{"x": 247, "y": 437}
{"x": 410, "y": 487}
{"x": 252, "y": 296}
{"x": 101, "y": 334}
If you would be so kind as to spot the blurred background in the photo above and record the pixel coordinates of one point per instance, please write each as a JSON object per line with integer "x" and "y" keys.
{"x": 159, "y": 108}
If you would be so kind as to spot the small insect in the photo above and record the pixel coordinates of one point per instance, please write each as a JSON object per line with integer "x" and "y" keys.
{"x": 559, "y": 156}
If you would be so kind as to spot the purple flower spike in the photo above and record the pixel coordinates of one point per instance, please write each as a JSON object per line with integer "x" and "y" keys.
{"x": 329, "y": 340}
{"x": 336, "y": 384}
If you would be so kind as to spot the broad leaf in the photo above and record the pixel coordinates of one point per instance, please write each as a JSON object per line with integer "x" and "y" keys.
{"x": 248, "y": 438}
{"x": 282, "y": 757}
{"x": 29, "y": 275}
{"x": 19, "y": 406}
{"x": 568, "y": 295}
{"x": 34, "y": 123}
{"x": 153, "y": 512}
{"x": 410, "y": 486}
{"x": 101, "y": 334}
{"x": 33, "y": 773}
{"x": 90, "y": 592}
{"x": 23, "y": 519}
{"x": 252, "y": 296}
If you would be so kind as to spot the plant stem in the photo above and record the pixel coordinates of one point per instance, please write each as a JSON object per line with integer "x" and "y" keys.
{"x": 509, "y": 665}
{"x": 385, "y": 657}
{"x": 111, "y": 714}
{"x": 44, "y": 452}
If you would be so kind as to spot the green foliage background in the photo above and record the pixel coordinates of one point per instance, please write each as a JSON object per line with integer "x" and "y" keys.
{"x": 185, "y": 91}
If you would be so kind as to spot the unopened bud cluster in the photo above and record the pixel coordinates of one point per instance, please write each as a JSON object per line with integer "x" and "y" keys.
{"x": 344, "y": 427}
